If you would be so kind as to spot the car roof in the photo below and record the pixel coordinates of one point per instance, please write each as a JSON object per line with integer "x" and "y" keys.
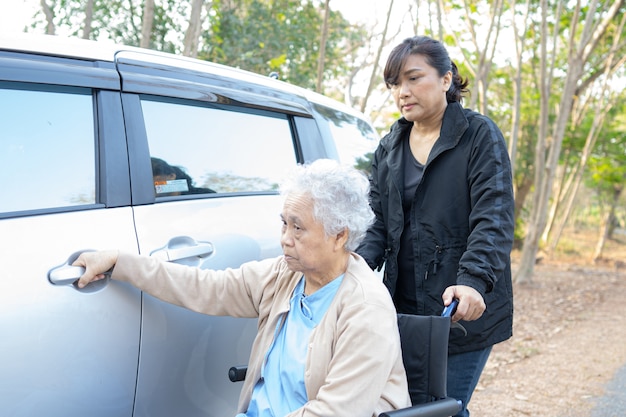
{"x": 76, "y": 48}
{"x": 107, "y": 51}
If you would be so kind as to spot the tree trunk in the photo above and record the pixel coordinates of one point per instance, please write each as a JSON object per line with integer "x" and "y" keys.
{"x": 517, "y": 84}
{"x": 554, "y": 230}
{"x": 440, "y": 31}
{"x": 414, "y": 16}
{"x": 192, "y": 35}
{"x": 605, "y": 227}
{"x": 559, "y": 190}
{"x": 379, "y": 52}
{"x": 88, "y": 19}
{"x": 487, "y": 54}
{"x": 521, "y": 193}
{"x": 146, "y": 23}
{"x": 592, "y": 137}
{"x": 49, "y": 14}
{"x": 322, "y": 57}
{"x": 533, "y": 232}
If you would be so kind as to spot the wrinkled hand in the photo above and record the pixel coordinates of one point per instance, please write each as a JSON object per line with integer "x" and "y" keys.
{"x": 95, "y": 264}
{"x": 471, "y": 304}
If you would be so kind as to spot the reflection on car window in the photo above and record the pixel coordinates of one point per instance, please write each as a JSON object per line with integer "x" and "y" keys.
{"x": 355, "y": 139}
{"x": 47, "y": 155}
{"x": 198, "y": 149}
{"x": 173, "y": 180}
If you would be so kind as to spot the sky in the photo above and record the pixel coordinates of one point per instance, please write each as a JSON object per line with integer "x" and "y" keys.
{"x": 15, "y": 14}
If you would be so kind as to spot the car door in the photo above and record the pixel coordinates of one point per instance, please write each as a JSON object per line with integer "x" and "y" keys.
{"x": 206, "y": 167}
{"x": 63, "y": 164}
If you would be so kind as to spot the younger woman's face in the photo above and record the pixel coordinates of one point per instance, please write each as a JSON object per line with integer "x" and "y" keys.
{"x": 420, "y": 92}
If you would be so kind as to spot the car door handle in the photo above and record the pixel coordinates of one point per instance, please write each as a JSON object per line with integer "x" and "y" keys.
{"x": 183, "y": 247}
{"x": 68, "y": 274}
{"x": 65, "y": 274}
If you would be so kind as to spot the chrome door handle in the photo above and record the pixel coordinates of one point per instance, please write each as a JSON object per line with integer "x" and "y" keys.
{"x": 183, "y": 247}
{"x": 201, "y": 250}
{"x": 65, "y": 274}
{"x": 68, "y": 274}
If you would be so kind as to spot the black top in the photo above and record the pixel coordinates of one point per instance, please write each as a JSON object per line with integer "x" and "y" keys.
{"x": 405, "y": 297}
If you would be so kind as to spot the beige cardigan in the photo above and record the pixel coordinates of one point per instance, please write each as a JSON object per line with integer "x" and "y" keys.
{"x": 354, "y": 365}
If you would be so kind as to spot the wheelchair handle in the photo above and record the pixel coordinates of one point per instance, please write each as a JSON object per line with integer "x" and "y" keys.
{"x": 451, "y": 309}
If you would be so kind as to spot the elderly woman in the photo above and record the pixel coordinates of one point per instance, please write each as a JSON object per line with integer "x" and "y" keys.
{"x": 327, "y": 341}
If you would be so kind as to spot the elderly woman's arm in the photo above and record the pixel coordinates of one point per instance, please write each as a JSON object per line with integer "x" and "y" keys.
{"x": 233, "y": 292}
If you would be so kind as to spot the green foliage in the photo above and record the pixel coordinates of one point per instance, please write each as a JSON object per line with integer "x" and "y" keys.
{"x": 257, "y": 35}
{"x": 118, "y": 20}
{"x": 606, "y": 172}
{"x": 277, "y": 35}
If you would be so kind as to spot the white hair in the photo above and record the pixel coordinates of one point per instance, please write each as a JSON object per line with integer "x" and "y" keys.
{"x": 340, "y": 195}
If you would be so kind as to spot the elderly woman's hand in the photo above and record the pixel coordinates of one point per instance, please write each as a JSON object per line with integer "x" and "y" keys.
{"x": 96, "y": 264}
{"x": 471, "y": 304}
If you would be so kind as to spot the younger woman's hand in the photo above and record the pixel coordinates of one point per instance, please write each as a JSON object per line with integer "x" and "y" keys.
{"x": 471, "y": 303}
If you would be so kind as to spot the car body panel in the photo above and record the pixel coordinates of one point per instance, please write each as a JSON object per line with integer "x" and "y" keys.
{"x": 240, "y": 229}
{"x": 58, "y": 343}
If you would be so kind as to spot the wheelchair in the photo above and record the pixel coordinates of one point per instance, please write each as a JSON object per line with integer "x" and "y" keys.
{"x": 426, "y": 364}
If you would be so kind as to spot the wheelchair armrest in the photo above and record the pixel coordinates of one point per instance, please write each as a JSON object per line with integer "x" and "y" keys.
{"x": 237, "y": 373}
{"x": 439, "y": 408}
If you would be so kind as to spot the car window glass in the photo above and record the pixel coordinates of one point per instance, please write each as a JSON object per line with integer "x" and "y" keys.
{"x": 47, "y": 155}
{"x": 355, "y": 139}
{"x": 197, "y": 149}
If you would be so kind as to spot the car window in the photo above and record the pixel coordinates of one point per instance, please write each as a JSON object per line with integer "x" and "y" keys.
{"x": 47, "y": 157}
{"x": 201, "y": 149}
{"x": 355, "y": 139}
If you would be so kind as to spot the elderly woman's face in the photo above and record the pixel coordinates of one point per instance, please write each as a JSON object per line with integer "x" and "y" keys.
{"x": 305, "y": 245}
{"x": 420, "y": 92}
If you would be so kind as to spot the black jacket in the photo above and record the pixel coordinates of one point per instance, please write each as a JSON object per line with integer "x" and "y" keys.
{"x": 462, "y": 221}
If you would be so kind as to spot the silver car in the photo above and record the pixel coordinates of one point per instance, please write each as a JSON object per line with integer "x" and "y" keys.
{"x": 105, "y": 146}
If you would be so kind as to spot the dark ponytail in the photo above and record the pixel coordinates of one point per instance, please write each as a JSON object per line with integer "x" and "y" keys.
{"x": 458, "y": 87}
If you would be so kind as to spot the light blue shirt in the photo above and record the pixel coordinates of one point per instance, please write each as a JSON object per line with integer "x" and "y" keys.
{"x": 281, "y": 388}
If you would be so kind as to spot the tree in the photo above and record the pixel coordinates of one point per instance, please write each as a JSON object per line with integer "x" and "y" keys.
{"x": 479, "y": 58}
{"x": 519, "y": 41}
{"x": 257, "y": 35}
{"x": 277, "y": 35}
{"x": 118, "y": 20}
{"x": 322, "y": 54}
{"x": 147, "y": 21}
{"x": 88, "y": 19}
{"x": 376, "y": 62}
{"x": 583, "y": 33}
{"x": 604, "y": 101}
{"x": 607, "y": 175}
{"x": 192, "y": 34}
{"x": 49, "y": 15}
